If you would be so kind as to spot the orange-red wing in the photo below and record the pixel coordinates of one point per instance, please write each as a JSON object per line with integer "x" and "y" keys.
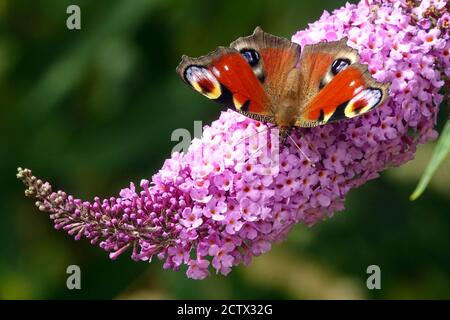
{"x": 272, "y": 59}
{"x": 335, "y": 85}
{"x": 350, "y": 93}
{"x": 236, "y": 75}
{"x": 344, "y": 86}
{"x": 225, "y": 77}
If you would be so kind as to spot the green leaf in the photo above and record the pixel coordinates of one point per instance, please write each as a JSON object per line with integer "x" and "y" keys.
{"x": 440, "y": 152}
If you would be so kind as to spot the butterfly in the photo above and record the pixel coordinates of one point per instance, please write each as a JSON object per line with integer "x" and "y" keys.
{"x": 270, "y": 79}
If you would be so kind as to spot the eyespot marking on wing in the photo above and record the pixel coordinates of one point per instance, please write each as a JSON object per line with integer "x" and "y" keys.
{"x": 253, "y": 58}
{"x": 338, "y": 65}
{"x": 363, "y": 102}
{"x": 203, "y": 81}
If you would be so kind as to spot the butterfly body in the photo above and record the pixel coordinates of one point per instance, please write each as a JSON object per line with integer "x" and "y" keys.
{"x": 270, "y": 79}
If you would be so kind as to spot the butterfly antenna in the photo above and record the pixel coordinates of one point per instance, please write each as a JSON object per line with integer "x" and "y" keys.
{"x": 301, "y": 151}
{"x": 255, "y": 152}
{"x": 253, "y": 134}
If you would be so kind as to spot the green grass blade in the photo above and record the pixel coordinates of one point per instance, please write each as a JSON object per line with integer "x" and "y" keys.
{"x": 440, "y": 152}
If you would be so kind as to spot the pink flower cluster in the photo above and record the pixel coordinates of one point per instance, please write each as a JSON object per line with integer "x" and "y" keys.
{"x": 226, "y": 201}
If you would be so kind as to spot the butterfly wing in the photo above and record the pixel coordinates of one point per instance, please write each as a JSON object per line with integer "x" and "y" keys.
{"x": 267, "y": 78}
{"x": 276, "y": 58}
{"x": 227, "y": 78}
{"x": 250, "y": 75}
{"x": 335, "y": 85}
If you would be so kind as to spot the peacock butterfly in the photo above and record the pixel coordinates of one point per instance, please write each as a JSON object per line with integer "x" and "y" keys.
{"x": 270, "y": 79}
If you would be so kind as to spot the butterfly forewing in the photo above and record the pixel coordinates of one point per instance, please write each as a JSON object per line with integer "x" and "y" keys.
{"x": 225, "y": 77}
{"x": 277, "y": 58}
{"x": 335, "y": 85}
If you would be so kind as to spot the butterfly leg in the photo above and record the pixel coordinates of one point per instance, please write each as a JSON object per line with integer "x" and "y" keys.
{"x": 255, "y": 152}
{"x": 301, "y": 151}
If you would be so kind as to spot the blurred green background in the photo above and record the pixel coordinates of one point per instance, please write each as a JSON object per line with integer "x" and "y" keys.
{"x": 91, "y": 110}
